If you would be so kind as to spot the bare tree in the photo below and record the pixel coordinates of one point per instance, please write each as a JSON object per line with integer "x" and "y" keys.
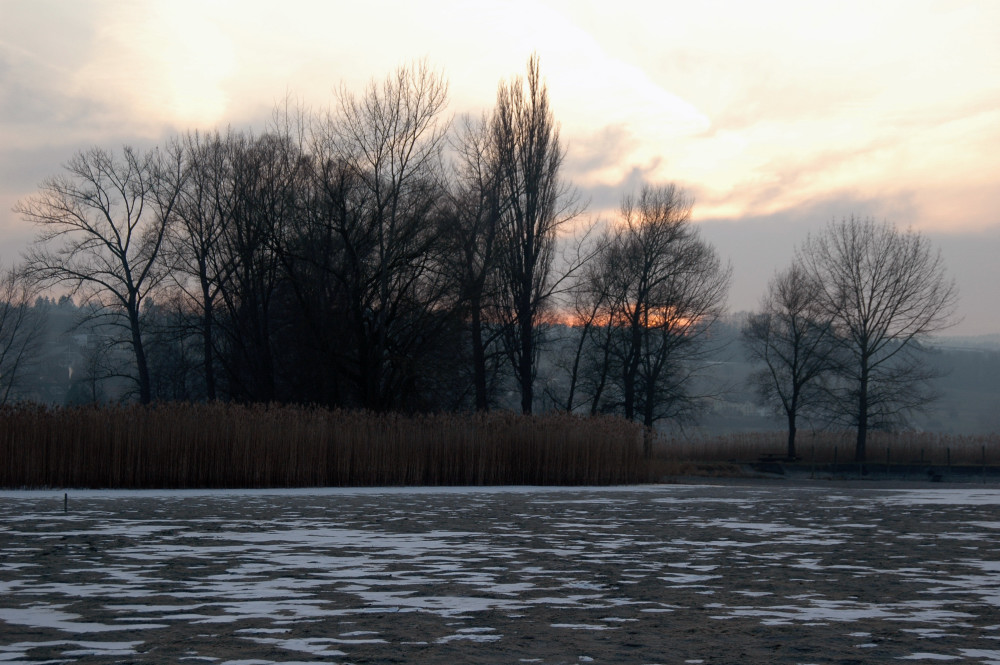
{"x": 587, "y": 375}
{"x": 661, "y": 288}
{"x": 101, "y": 229}
{"x": 325, "y": 258}
{"x": 366, "y": 260}
{"x": 473, "y": 233}
{"x": 792, "y": 338}
{"x": 21, "y": 327}
{"x": 535, "y": 203}
{"x": 198, "y": 266}
{"x": 884, "y": 291}
{"x": 266, "y": 171}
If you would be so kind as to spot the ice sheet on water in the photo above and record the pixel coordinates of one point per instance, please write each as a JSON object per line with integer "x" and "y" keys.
{"x": 274, "y": 609}
{"x": 942, "y": 497}
{"x": 317, "y": 646}
{"x": 698, "y": 499}
{"x": 50, "y": 616}
{"x": 682, "y": 580}
{"x": 687, "y": 565}
{"x": 921, "y": 655}
{"x": 988, "y": 656}
{"x": 473, "y": 634}
{"x": 441, "y": 605}
{"x": 848, "y": 611}
{"x": 930, "y": 633}
{"x": 88, "y": 590}
{"x": 257, "y": 661}
{"x": 763, "y": 528}
{"x": 281, "y": 558}
{"x": 584, "y": 626}
{"x": 18, "y": 650}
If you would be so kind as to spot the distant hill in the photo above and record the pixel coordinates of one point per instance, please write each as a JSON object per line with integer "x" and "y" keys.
{"x": 985, "y": 342}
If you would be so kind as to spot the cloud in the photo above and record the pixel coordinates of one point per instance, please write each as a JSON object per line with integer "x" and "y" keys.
{"x": 805, "y": 100}
{"x": 759, "y": 246}
{"x": 604, "y": 199}
{"x": 33, "y": 104}
{"x": 777, "y": 116}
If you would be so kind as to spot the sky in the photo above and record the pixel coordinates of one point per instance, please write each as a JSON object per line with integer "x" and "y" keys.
{"x": 777, "y": 116}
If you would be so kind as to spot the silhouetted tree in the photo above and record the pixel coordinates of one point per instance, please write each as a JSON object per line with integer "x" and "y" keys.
{"x": 534, "y": 204}
{"x": 660, "y": 289}
{"x": 793, "y": 339}
{"x": 21, "y": 327}
{"x": 582, "y": 362}
{"x": 101, "y": 230}
{"x": 265, "y": 188}
{"x": 204, "y": 212}
{"x": 367, "y": 256}
{"x": 473, "y": 234}
{"x": 884, "y": 291}
{"x": 324, "y": 260}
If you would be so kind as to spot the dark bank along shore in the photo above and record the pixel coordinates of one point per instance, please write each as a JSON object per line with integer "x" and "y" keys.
{"x": 773, "y": 472}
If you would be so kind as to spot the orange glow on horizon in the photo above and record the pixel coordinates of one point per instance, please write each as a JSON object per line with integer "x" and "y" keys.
{"x": 655, "y": 317}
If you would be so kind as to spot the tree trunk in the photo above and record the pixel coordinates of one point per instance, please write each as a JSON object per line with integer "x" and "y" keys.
{"x": 575, "y": 371}
{"x": 526, "y": 366}
{"x": 859, "y": 449}
{"x": 207, "y": 355}
{"x": 791, "y": 436}
{"x": 145, "y": 392}
{"x": 631, "y": 371}
{"x": 479, "y": 359}
{"x": 628, "y": 394}
{"x": 649, "y": 433}
{"x": 603, "y": 370}
{"x": 648, "y": 436}
{"x": 208, "y": 352}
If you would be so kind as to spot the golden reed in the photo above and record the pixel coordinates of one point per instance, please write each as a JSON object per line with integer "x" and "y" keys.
{"x": 228, "y": 445}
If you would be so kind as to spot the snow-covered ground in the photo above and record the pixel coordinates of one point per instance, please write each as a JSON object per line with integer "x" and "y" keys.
{"x": 551, "y": 575}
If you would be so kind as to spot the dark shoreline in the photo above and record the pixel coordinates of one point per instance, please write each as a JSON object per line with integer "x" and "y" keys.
{"x": 874, "y": 476}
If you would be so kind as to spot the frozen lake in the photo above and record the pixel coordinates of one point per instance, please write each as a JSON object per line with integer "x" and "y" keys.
{"x": 664, "y": 574}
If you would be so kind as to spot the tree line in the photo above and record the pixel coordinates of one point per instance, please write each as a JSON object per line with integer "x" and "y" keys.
{"x": 377, "y": 255}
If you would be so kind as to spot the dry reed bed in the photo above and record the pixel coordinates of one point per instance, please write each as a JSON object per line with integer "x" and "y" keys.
{"x": 225, "y": 445}
{"x": 826, "y": 447}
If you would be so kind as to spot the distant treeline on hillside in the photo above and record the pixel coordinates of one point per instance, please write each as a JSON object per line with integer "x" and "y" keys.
{"x": 76, "y": 363}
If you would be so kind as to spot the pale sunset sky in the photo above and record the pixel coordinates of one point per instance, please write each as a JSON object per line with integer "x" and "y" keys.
{"x": 777, "y": 116}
